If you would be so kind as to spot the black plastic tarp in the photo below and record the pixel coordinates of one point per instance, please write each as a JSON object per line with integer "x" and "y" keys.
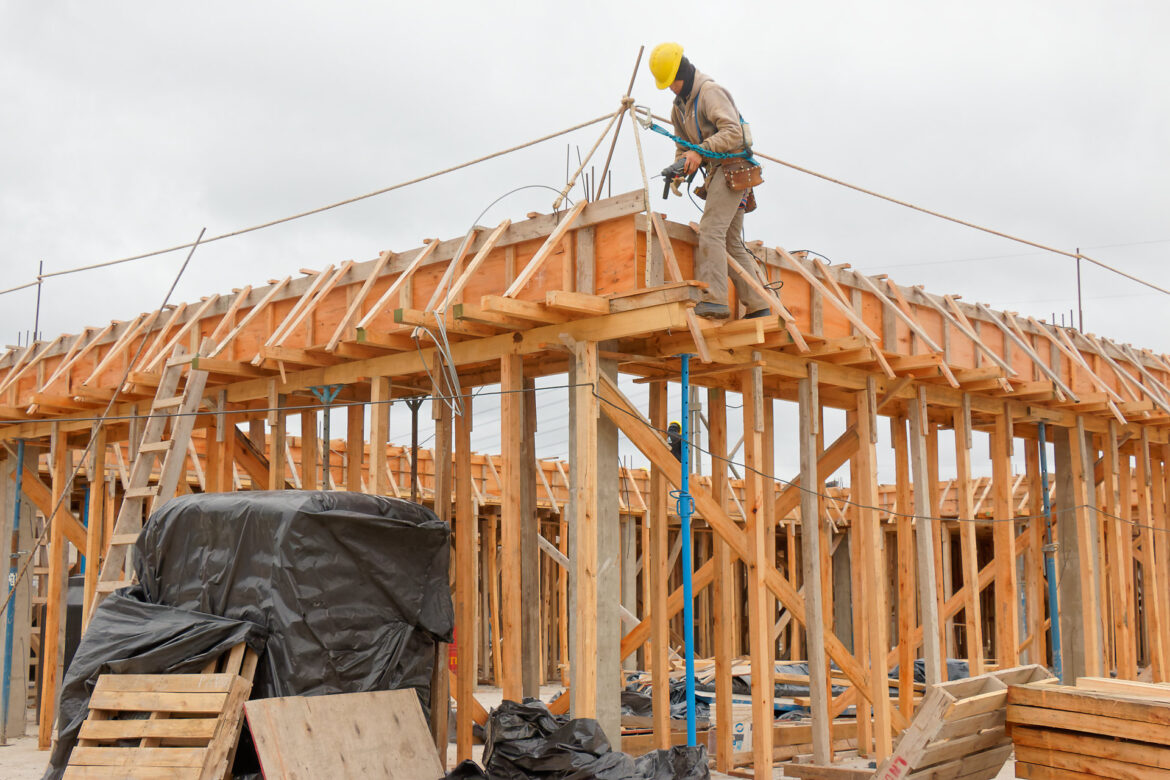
{"x": 345, "y": 592}
{"x": 526, "y": 742}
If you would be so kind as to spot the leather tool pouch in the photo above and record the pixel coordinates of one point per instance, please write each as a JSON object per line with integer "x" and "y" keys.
{"x": 741, "y": 175}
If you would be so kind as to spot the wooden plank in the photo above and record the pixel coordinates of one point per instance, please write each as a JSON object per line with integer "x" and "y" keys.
{"x": 355, "y": 305}
{"x": 545, "y": 251}
{"x": 396, "y": 286}
{"x": 380, "y": 734}
{"x": 1141, "y": 753}
{"x": 137, "y": 757}
{"x": 1092, "y": 765}
{"x": 168, "y": 728}
{"x": 473, "y": 266}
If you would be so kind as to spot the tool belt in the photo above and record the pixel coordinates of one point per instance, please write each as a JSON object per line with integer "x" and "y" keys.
{"x": 742, "y": 175}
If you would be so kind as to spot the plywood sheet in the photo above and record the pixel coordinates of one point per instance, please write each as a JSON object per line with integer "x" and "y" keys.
{"x": 381, "y": 734}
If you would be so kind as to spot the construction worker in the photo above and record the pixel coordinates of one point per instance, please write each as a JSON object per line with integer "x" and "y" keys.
{"x": 704, "y": 114}
{"x": 674, "y": 434}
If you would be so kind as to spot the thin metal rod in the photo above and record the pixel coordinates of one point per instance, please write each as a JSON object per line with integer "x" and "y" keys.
{"x": 40, "y": 284}
{"x": 1080, "y": 309}
{"x": 688, "y": 562}
{"x": 414, "y": 404}
{"x": 1050, "y": 560}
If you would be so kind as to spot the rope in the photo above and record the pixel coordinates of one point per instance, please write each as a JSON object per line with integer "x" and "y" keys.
{"x": 956, "y": 220}
{"x": 320, "y": 209}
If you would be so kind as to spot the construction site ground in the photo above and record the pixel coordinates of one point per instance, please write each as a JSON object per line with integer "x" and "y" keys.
{"x": 21, "y": 760}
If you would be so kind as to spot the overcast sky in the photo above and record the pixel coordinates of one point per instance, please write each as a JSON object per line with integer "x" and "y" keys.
{"x": 129, "y": 126}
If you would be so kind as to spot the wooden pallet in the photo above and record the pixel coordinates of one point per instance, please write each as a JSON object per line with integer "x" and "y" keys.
{"x": 958, "y": 732}
{"x": 1098, "y": 728}
{"x": 190, "y": 731}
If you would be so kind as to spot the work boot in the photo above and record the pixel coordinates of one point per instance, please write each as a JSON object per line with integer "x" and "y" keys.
{"x": 757, "y": 314}
{"x": 713, "y": 311}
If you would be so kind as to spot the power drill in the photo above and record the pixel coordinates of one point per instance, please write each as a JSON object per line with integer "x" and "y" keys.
{"x": 672, "y": 175}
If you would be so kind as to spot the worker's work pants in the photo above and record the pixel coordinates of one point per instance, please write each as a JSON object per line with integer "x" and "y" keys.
{"x": 720, "y": 230}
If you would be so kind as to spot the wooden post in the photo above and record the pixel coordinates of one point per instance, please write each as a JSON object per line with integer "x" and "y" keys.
{"x": 511, "y": 524}
{"x": 276, "y": 460}
{"x": 440, "y": 679}
{"x": 810, "y": 542}
{"x": 759, "y": 624}
{"x": 904, "y": 534}
{"x": 873, "y": 574}
{"x": 659, "y": 623}
{"x": 967, "y": 542}
{"x": 355, "y": 437}
{"x": 22, "y": 597}
{"x": 466, "y": 582}
{"x": 379, "y": 433}
{"x": 529, "y": 549}
{"x": 53, "y": 650}
{"x": 1080, "y": 640}
{"x": 584, "y": 573}
{"x": 1007, "y": 627}
{"x": 310, "y": 453}
{"x": 724, "y": 596}
{"x": 1117, "y": 504}
{"x": 1152, "y": 585}
{"x": 95, "y": 547}
{"x": 924, "y": 539}
{"x": 1035, "y": 584}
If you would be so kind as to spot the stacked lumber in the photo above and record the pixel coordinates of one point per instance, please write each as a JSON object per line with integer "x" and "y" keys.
{"x": 958, "y": 732}
{"x": 1098, "y": 728}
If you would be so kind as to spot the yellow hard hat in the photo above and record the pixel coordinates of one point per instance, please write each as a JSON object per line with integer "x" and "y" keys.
{"x": 664, "y": 61}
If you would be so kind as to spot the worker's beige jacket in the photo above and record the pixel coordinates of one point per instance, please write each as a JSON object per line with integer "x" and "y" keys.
{"x": 718, "y": 129}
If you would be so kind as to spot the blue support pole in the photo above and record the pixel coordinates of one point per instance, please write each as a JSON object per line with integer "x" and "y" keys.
{"x": 1050, "y": 560}
{"x": 685, "y": 508}
{"x": 10, "y": 613}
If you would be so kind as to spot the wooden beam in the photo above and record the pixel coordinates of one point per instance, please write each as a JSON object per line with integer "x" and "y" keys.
{"x": 545, "y": 251}
{"x": 466, "y": 580}
{"x": 511, "y": 433}
{"x": 584, "y": 670}
{"x": 810, "y": 542}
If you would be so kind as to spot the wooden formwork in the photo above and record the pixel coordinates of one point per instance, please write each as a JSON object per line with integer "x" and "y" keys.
{"x": 885, "y": 579}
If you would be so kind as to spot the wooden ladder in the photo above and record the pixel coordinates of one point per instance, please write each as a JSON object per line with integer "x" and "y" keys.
{"x": 171, "y": 407}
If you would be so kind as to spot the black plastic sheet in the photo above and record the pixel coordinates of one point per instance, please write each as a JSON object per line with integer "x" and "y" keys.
{"x": 526, "y": 742}
{"x": 349, "y": 593}
{"x": 352, "y": 588}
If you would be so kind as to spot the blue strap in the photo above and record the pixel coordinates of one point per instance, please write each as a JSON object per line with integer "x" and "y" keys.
{"x": 745, "y": 155}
